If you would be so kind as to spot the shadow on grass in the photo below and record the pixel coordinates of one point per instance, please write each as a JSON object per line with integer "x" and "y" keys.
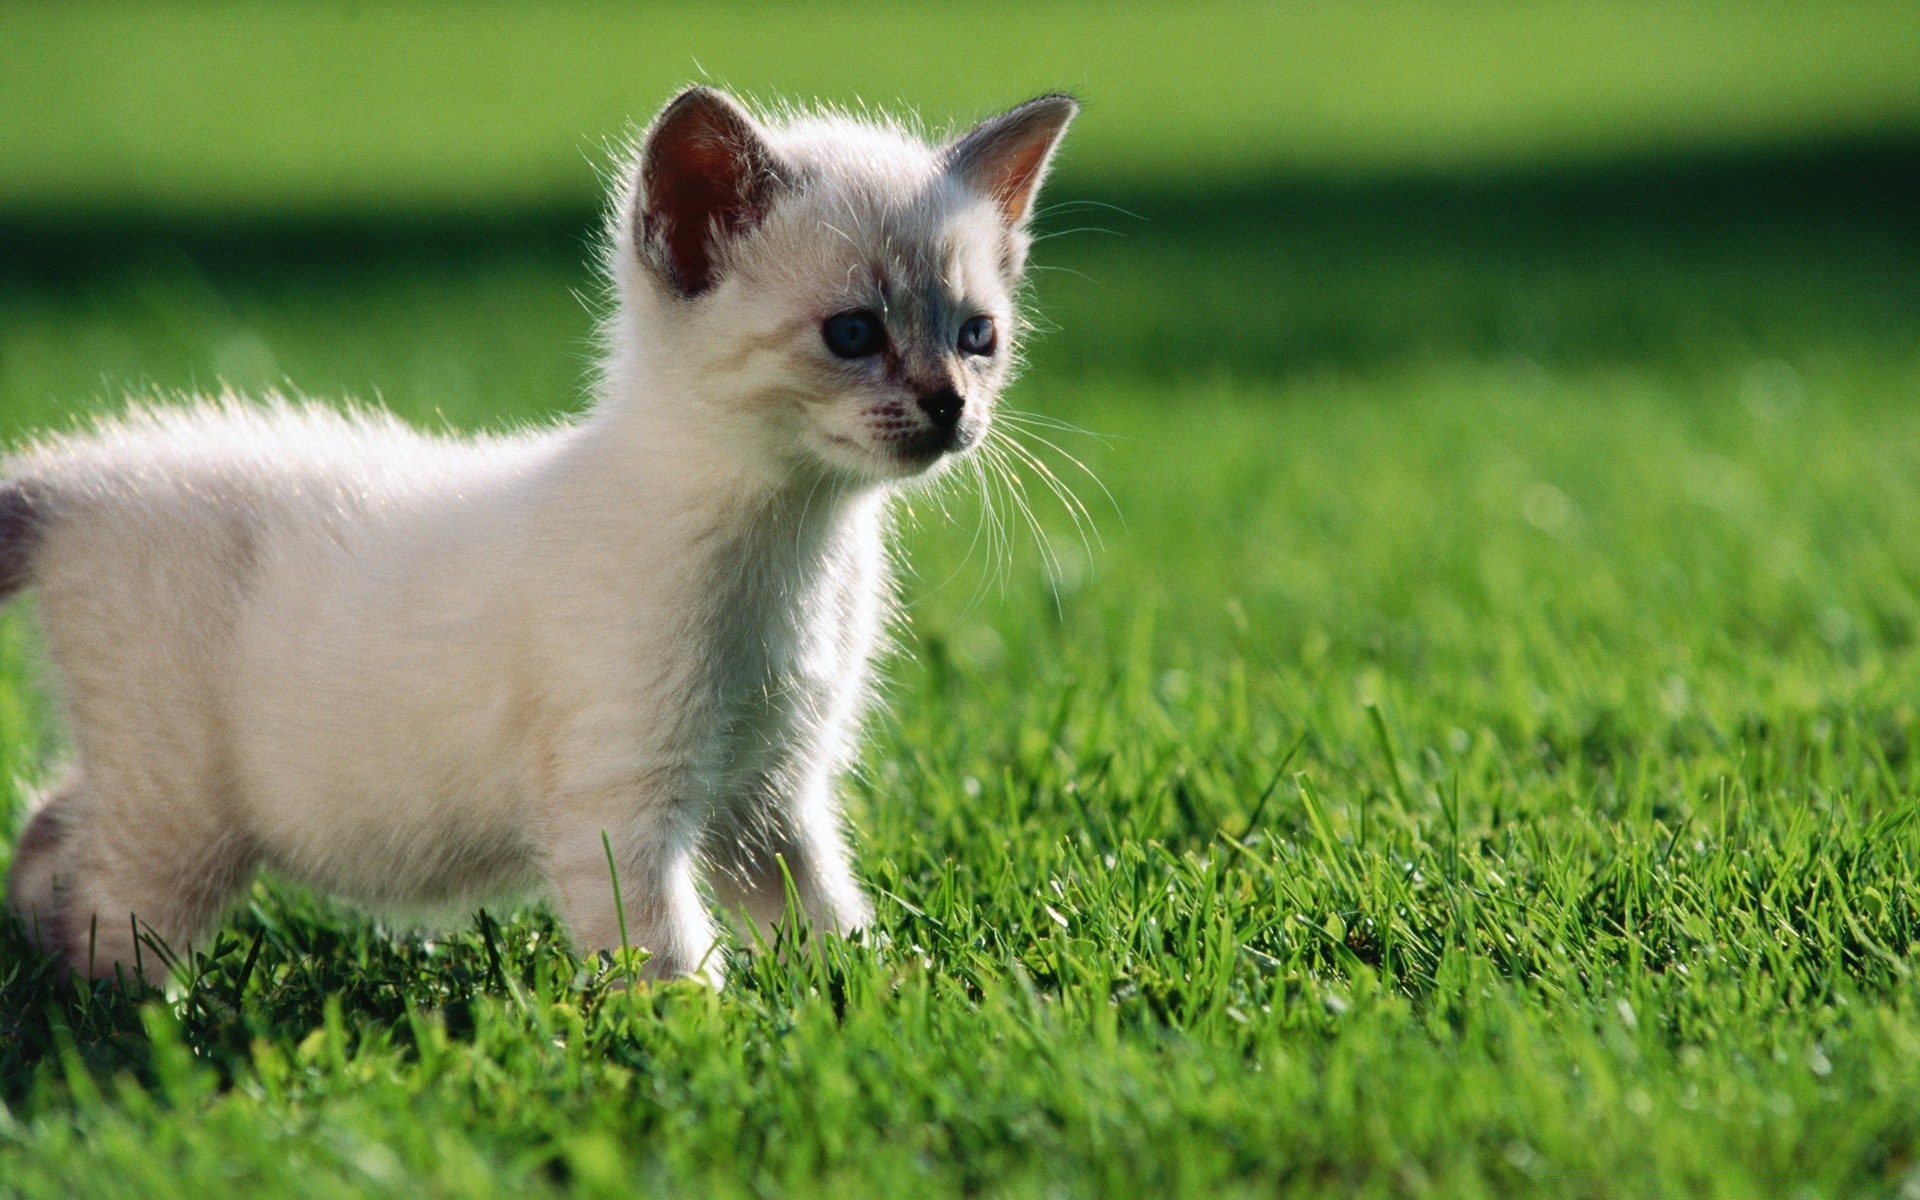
{"x": 1665, "y": 262}
{"x": 273, "y": 970}
{"x": 1669, "y": 259}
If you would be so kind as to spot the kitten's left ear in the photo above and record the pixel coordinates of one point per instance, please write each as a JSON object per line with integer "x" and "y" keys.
{"x": 706, "y": 177}
{"x": 1005, "y": 157}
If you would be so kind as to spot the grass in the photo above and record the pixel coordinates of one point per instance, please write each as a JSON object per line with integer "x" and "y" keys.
{"x": 1478, "y": 756}
{"x": 427, "y": 106}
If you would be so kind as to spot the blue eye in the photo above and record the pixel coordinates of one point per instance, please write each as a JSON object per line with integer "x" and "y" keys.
{"x": 976, "y": 336}
{"x": 857, "y": 334}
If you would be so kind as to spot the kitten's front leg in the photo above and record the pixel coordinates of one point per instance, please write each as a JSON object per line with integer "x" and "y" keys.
{"x": 755, "y": 849}
{"x": 653, "y": 856}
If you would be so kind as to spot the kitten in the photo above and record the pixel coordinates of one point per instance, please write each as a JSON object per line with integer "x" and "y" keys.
{"x": 424, "y": 672}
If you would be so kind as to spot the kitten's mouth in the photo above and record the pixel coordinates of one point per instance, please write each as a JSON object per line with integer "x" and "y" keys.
{"x": 923, "y": 450}
{"x": 906, "y": 454}
{"x": 927, "y": 446}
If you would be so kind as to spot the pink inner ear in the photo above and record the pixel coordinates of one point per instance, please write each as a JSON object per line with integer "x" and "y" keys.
{"x": 707, "y": 178}
{"x": 1006, "y": 156}
{"x": 1016, "y": 178}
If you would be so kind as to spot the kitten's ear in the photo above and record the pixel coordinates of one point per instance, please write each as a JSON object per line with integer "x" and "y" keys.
{"x": 1005, "y": 157}
{"x": 706, "y": 176}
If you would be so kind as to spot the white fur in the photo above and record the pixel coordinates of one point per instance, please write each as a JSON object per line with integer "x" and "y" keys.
{"x": 423, "y": 672}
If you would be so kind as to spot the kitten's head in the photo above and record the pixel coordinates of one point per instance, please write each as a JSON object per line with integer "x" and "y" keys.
{"x": 834, "y": 292}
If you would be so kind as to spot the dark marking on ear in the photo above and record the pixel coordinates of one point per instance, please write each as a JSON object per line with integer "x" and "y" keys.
{"x": 20, "y": 528}
{"x": 706, "y": 177}
{"x": 1006, "y": 157}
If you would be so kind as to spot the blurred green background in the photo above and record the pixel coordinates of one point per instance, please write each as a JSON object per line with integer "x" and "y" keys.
{"x": 1540, "y": 377}
{"x": 426, "y": 107}
{"x": 1304, "y": 186}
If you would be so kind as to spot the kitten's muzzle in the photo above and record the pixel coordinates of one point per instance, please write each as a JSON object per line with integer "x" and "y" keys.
{"x": 944, "y": 430}
{"x": 944, "y": 406}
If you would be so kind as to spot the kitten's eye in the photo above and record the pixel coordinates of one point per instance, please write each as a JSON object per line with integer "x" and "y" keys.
{"x": 857, "y": 334}
{"x": 976, "y": 336}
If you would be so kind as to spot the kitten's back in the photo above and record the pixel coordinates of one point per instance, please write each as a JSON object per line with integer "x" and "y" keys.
{"x": 152, "y": 533}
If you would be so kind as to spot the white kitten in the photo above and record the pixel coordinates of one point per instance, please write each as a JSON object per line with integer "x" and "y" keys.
{"x": 420, "y": 672}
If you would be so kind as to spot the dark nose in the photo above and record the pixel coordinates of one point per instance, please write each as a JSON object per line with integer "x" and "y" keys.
{"x": 942, "y": 406}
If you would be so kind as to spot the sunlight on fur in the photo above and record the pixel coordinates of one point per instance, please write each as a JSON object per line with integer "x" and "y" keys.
{"x": 422, "y": 673}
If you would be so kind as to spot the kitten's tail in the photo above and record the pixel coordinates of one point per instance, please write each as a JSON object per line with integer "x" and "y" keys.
{"x": 20, "y": 527}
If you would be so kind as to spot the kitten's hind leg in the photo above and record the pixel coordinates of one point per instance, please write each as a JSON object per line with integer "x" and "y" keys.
{"x": 102, "y": 888}
{"x": 33, "y": 882}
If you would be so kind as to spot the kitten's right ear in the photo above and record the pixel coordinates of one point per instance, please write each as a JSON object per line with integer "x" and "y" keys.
{"x": 1006, "y": 157}
{"x": 706, "y": 177}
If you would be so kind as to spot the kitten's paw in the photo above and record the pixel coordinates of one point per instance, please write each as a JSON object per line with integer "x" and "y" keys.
{"x": 711, "y": 970}
{"x": 848, "y": 913}
{"x": 632, "y": 965}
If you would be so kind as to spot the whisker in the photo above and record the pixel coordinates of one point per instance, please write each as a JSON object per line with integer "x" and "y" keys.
{"x": 1083, "y": 523}
{"x": 1077, "y": 204}
{"x": 983, "y": 529}
{"x": 1061, "y": 270}
{"x": 998, "y": 571}
{"x": 994, "y": 470}
{"x": 1023, "y": 418}
{"x": 1054, "y": 233}
{"x": 1056, "y": 570}
{"x": 1007, "y": 492}
{"x": 1084, "y": 469}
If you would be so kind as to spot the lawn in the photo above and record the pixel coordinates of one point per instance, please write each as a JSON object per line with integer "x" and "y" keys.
{"x": 1463, "y": 739}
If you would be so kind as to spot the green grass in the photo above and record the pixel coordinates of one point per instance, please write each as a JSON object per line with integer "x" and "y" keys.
{"x": 1476, "y": 753}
